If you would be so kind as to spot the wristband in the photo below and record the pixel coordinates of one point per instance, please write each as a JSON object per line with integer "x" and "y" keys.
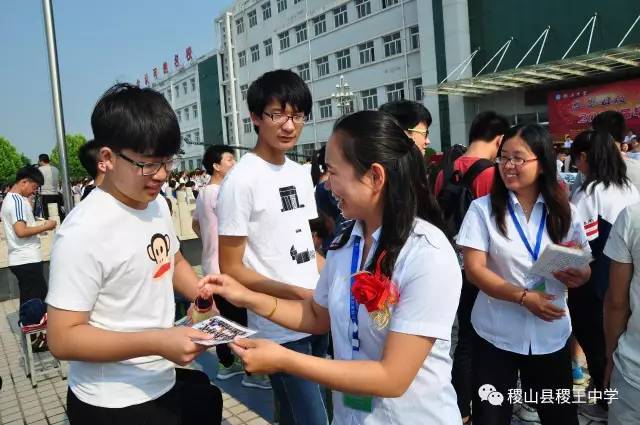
{"x": 275, "y": 307}
{"x": 524, "y": 294}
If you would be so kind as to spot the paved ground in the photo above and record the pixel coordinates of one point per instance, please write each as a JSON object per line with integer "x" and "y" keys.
{"x": 22, "y": 404}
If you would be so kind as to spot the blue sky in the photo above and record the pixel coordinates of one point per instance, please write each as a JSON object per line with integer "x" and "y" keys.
{"x": 99, "y": 43}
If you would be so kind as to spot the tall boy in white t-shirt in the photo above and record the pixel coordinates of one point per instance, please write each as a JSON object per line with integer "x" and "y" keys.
{"x": 114, "y": 266}
{"x": 264, "y": 208}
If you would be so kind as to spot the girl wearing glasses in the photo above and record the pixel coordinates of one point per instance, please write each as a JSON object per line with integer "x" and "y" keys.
{"x": 604, "y": 193}
{"x": 520, "y": 320}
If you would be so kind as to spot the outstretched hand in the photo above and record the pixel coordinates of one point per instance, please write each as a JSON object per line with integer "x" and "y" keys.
{"x": 225, "y": 286}
{"x": 260, "y": 355}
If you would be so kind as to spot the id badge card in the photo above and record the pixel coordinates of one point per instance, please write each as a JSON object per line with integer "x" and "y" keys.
{"x": 539, "y": 286}
{"x": 361, "y": 403}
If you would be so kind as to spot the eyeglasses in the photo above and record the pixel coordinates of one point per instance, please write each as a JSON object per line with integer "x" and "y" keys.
{"x": 515, "y": 161}
{"x": 150, "y": 168}
{"x": 425, "y": 133}
{"x": 281, "y": 119}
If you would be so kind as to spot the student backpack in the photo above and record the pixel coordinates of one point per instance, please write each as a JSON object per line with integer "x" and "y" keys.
{"x": 456, "y": 194}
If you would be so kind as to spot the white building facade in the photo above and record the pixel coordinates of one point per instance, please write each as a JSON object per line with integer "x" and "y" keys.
{"x": 385, "y": 49}
{"x": 181, "y": 89}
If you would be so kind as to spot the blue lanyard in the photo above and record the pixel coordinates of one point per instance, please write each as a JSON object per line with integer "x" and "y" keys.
{"x": 355, "y": 256}
{"x": 536, "y": 250}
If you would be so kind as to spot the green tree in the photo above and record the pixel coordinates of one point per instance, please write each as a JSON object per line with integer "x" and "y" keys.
{"x": 10, "y": 161}
{"x": 75, "y": 168}
{"x": 25, "y": 161}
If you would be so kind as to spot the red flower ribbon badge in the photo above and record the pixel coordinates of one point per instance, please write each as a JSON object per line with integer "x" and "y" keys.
{"x": 377, "y": 292}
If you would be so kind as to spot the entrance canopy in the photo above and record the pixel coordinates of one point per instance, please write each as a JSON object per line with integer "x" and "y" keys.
{"x": 614, "y": 60}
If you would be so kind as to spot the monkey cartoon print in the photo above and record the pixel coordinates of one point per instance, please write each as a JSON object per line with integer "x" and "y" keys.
{"x": 158, "y": 252}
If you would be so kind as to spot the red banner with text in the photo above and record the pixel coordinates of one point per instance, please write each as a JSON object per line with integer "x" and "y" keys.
{"x": 571, "y": 110}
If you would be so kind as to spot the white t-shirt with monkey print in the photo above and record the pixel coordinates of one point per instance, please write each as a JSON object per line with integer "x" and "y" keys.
{"x": 116, "y": 263}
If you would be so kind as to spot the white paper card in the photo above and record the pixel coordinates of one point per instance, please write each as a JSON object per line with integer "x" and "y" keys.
{"x": 556, "y": 257}
{"x": 223, "y": 331}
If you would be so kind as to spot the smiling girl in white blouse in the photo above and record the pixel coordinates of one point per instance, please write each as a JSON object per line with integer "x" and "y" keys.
{"x": 520, "y": 319}
{"x": 392, "y": 363}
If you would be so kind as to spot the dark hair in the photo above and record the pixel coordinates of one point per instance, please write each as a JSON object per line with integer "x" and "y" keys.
{"x": 30, "y": 172}
{"x": 318, "y": 166}
{"x": 407, "y": 112}
{"x": 43, "y": 157}
{"x": 612, "y": 122}
{"x": 555, "y": 198}
{"x": 606, "y": 165}
{"x": 88, "y": 155}
{"x": 213, "y": 155}
{"x": 370, "y": 137}
{"x": 487, "y": 126}
{"x": 128, "y": 117}
{"x": 283, "y": 86}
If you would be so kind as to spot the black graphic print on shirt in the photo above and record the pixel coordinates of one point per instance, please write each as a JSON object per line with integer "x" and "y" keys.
{"x": 289, "y": 198}
{"x": 301, "y": 257}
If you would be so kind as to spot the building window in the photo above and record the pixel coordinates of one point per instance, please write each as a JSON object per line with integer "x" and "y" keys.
{"x": 184, "y": 87}
{"x": 246, "y": 124}
{"x": 366, "y": 52}
{"x": 323, "y": 65}
{"x": 191, "y": 164}
{"x": 296, "y": 1}
{"x": 186, "y": 114}
{"x": 414, "y": 35}
{"x": 282, "y": 5}
{"x": 417, "y": 89}
{"x": 369, "y": 99}
{"x": 387, "y": 3}
{"x": 392, "y": 44}
{"x": 194, "y": 109}
{"x": 284, "y": 40}
{"x": 340, "y": 16}
{"x": 253, "y": 18}
{"x": 303, "y": 71}
{"x": 179, "y": 114}
{"x": 243, "y": 90}
{"x": 239, "y": 25}
{"x": 266, "y": 10}
{"x": 325, "y": 108}
{"x": 255, "y": 53}
{"x": 344, "y": 59}
{"x": 363, "y": 7}
{"x": 301, "y": 32}
{"x": 177, "y": 88}
{"x": 197, "y": 135}
{"x": 319, "y": 25}
{"x": 268, "y": 47}
{"x": 242, "y": 58}
{"x": 193, "y": 84}
{"x": 310, "y": 116}
{"x": 395, "y": 92}
{"x": 169, "y": 94}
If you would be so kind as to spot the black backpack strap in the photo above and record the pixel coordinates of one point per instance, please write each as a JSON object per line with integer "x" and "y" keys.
{"x": 478, "y": 167}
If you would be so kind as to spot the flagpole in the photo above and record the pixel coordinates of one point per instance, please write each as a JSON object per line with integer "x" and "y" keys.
{"x": 56, "y": 96}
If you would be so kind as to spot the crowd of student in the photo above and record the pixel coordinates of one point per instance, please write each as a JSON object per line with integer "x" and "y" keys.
{"x": 393, "y": 262}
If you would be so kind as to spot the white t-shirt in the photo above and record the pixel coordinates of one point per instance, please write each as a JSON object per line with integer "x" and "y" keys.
{"x": 623, "y": 246}
{"x": 50, "y": 174}
{"x": 633, "y": 168}
{"x": 206, "y": 216}
{"x": 15, "y": 208}
{"x": 429, "y": 293}
{"x": 507, "y": 325}
{"x": 271, "y": 205}
{"x": 116, "y": 263}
